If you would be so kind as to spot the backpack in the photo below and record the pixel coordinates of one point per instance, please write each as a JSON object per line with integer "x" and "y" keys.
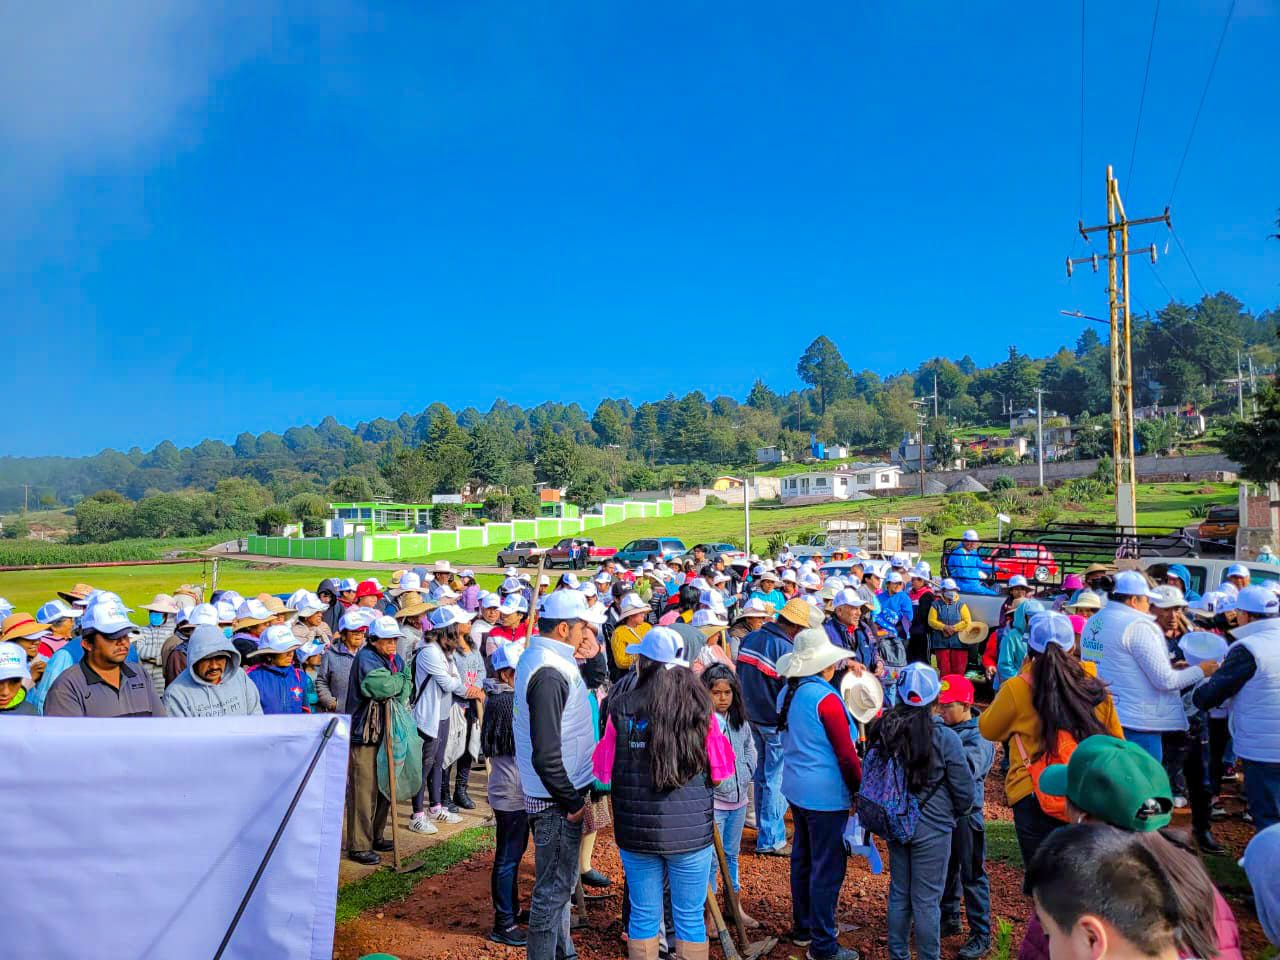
{"x": 892, "y": 650}
{"x": 1055, "y": 807}
{"x": 885, "y": 806}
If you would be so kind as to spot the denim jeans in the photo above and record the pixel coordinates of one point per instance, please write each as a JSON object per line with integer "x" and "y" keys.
{"x": 771, "y": 806}
{"x": 730, "y": 824}
{"x": 1262, "y": 790}
{"x": 1150, "y": 741}
{"x": 504, "y": 883}
{"x": 967, "y": 878}
{"x": 432, "y": 767}
{"x": 555, "y": 873}
{"x": 686, "y": 874}
{"x": 818, "y": 862}
{"x": 917, "y": 877}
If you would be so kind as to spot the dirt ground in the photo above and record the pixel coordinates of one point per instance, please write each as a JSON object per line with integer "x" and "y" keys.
{"x": 448, "y": 916}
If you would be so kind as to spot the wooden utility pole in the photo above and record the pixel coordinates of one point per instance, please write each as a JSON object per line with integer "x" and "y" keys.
{"x": 1117, "y": 227}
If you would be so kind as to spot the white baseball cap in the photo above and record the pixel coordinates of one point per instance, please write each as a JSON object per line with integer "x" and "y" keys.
{"x": 278, "y": 638}
{"x": 513, "y": 603}
{"x": 506, "y": 656}
{"x": 447, "y": 616}
{"x": 570, "y": 580}
{"x": 921, "y": 570}
{"x": 1131, "y": 583}
{"x": 970, "y": 535}
{"x": 385, "y": 628}
{"x": 1258, "y": 600}
{"x": 307, "y": 604}
{"x": 358, "y": 618}
{"x": 409, "y": 582}
{"x": 467, "y": 574}
{"x": 107, "y": 614}
{"x": 789, "y": 576}
{"x": 312, "y": 649}
{"x": 1051, "y": 628}
{"x": 631, "y": 603}
{"x": 226, "y": 610}
{"x": 56, "y": 610}
{"x": 13, "y": 662}
{"x": 511, "y": 572}
{"x": 347, "y": 584}
{"x": 709, "y": 618}
{"x": 661, "y": 644}
{"x": 893, "y": 577}
{"x": 850, "y": 598}
{"x": 1238, "y": 570}
{"x": 511, "y": 585}
{"x": 490, "y": 600}
{"x": 949, "y": 585}
{"x": 1168, "y": 596}
{"x": 589, "y": 590}
{"x": 570, "y": 605}
{"x": 899, "y": 561}
{"x": 201, "y": 615}
{"x": 811, "y": 581}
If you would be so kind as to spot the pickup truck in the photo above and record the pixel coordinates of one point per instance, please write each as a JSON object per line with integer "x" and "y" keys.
{"x": 577, "y": 552}
{"x": 519, "y": 553}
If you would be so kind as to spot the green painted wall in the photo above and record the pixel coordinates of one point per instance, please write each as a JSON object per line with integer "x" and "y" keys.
{"x": 591, "y": 521}
{"x": 471, "y": 537}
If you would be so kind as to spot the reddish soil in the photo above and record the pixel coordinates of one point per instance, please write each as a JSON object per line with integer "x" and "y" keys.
{"x": 448, "y": 916}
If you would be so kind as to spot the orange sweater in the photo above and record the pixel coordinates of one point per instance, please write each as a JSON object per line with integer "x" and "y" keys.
{"x": 1011, "y": 712}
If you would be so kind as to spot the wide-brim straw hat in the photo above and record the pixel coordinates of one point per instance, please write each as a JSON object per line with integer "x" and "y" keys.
{"x": 163, "y": 603}
{"x": 414, "y": 608}
{"x": 863, "y": 695}
{"x": 975, "y": 632}
{"x": 1085, "y": 600}
{"x": 76, "y": 594}
{"x": 277, "y": 606}
{"x": 1107, "y": 568}
{"x": 812, "y": 652}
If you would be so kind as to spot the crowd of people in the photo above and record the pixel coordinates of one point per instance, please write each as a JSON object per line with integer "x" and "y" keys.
{"x": 685, "y": 702}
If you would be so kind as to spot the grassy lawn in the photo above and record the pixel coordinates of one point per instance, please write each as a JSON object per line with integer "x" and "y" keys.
{"x": 27, "y": 589}
{"x": 1163, "y": 504}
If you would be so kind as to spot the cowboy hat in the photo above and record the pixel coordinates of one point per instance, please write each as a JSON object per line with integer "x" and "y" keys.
{"x": 442, "y": 566}
{"x": 812, "y": 652}
{"x": 1093, "y": 568}
{"x": 975, "y": 632}
{"x": 862, "y": 694}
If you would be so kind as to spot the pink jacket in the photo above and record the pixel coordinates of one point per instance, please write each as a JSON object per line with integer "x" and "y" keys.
{"x": 719, "y": 753}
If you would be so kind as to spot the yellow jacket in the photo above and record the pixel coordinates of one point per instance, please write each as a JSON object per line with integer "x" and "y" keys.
{"x": 624, "y": 636}
{"x": 965, "y": 619}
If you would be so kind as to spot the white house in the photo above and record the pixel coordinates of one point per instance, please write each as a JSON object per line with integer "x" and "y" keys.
{"x": 836, "y": 451}
{"x": 770, "y": 455}
{"x": 818, "y": 486}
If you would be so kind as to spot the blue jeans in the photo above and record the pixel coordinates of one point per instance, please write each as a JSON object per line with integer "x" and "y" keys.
{"x": 1262, "y": 790}
{"x": 513, "y": 840}
{"x": 686, "y": 874}
{"x": 967, "y": 878}
{"x": 1150, "y": 741}
{"x": 771, "y": 806}
{"x": 730, "y": 824}
{"x": 917, "y": 877}
{"x": 555, "y": 873}
{"x": 818, "y": 862}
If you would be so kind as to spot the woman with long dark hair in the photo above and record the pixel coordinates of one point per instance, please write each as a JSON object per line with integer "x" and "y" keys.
{"x": 1050, "y": 706}
{"x": 937, "y": 776}
{"x": 663, "y": 753}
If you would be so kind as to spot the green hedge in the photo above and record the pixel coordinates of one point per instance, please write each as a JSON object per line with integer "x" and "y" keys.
{"x": 15, "y": 553}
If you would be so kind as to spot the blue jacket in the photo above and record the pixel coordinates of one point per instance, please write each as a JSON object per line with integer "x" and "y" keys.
{"x": 896, "y": 612}
{"x": 1181, "y": 572}
{"x": 964, "y": 566}
{"x": 859, "y": 642}
{"x": 282, "y": 689}
{"x": 980, "y": 753}
{"x": 758, "y": 673}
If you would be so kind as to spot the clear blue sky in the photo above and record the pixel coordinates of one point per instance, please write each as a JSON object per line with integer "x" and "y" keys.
{"x": 212, "y": 224}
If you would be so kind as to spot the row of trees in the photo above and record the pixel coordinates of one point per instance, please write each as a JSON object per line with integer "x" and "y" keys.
{"x": 1183, "y": 353}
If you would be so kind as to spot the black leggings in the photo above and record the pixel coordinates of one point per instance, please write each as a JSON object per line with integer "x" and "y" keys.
{"x": 1032, "y": 825}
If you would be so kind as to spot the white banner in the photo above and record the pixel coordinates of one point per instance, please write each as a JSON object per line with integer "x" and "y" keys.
{"x": 138, "y": 837}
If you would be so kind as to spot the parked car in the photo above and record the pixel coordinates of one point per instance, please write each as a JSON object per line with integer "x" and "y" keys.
{"x": 713, "y": 550}
{"x": 638, "y": 551}
{"x": 1033, "y": 561}
{"x": 519, "y": 553}
{"x": 1222, "y": 522}
{"x": 577, "y": 552}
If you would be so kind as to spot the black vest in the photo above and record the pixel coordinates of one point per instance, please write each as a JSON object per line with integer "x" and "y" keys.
{"x": 646, "y": 820}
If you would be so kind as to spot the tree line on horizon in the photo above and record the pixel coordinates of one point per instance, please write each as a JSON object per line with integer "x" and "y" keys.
{"x": 1182, "y": 354}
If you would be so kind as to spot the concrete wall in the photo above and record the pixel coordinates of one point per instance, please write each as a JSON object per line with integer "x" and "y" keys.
{"x": 1201, "y": 467}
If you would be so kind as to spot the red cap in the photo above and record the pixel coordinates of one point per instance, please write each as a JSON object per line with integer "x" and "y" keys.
{"x": 955, "y": 689}
{"x": 367, "y": 588}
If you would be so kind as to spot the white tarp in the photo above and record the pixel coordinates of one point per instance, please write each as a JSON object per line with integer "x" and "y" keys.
{"x": 137, "y": 838}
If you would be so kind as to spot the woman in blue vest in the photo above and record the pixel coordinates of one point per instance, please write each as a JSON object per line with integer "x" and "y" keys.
{"x": 947, "y": 618}
{"x": 662, "y": 753}
{"x": 820, "y": 778}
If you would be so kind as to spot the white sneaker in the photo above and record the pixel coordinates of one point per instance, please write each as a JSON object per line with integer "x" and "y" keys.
{"x": 444, "y": 816}
{"x": 421, "y": 824}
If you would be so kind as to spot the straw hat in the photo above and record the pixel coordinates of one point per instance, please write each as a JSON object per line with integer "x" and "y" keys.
{"x": 21, "y": 626}
{"x": 975, "y": 632}
{"x": 277, "y": 606}
{"x": 863, "y": 695}
{"x": 1086, "y": 600}
{"x": 162, "y": 603}
{"x": 76, "y": 594}
{"x": 795, "y": 611}
{"x": 414, "y": 607}
{"x": 1093, "y": 568}
{"x": 812, "y": 652}
{"x": 187, "y": 590}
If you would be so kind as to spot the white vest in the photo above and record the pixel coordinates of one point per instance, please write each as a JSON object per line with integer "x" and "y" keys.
{"x": 577, "y": 730}
{"x": 1255, "y": 709}
{"x": 1121, "y": 630}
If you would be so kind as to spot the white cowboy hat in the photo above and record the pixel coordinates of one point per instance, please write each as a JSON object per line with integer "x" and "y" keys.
{"x": 863, "y": 695}
{"x": 812, "y": 653}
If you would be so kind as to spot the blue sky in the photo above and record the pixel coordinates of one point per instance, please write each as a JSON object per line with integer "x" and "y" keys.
{"x": 212, "y": 224}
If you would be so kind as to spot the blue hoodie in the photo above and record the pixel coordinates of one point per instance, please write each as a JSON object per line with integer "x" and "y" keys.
{"x": 282, "y": 689}
{"x": 1181, "y": 572}
{"x": 980, "y": 753}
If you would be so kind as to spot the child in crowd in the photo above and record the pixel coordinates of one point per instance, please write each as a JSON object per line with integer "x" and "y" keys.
{"x": 309, "y": 655}
{"x": 966, "y": 869}
{"x": 731, "y": 795}
{"x": 506, "y": 798}
{"x": 13, "y": 671}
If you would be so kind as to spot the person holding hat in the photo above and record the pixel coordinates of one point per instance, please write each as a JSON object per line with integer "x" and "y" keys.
{"x": 506, "y": 798}
{"x": 846, "y": 629}
{"x": 934, "y": 771}
{"x": 1042, "y": 713}
{"x": 1115, "y": 785}
{"x": 377, "y": 675}
{"x": 662, "y": 767}
{"x": 967, "y": 567}
{"x": 60, "y": 620}
{"x": 162, "y": 612}
{"x": 821, "y": 774}
{"x": 14, "y": 675}
{"x": 1249, "y": 681}
{"x": 26, "y": 631}
{"x": 279, "y": 679}
{"x": 948, "y": 618}
{"x": 967, "y": 867}
{"x": 1133, "y": 659}
{"x": 103, "y": 684}
{"x": 758, "y": 655}
{"x": 213, "y": 684}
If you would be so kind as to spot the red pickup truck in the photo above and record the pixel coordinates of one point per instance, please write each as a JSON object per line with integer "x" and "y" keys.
{"x": 577, "y": 552}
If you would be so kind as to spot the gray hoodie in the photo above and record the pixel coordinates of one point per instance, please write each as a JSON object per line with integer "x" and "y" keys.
{"x": 189, "y": 696}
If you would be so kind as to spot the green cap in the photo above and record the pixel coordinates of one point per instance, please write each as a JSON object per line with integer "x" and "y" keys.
{"x": 1114, "y": 781}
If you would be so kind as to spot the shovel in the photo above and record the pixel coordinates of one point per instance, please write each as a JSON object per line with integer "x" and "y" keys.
{"x": 750, "y": 951}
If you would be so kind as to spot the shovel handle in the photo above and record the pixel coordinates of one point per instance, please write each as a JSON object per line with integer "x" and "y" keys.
{"x": 730, "y": 894}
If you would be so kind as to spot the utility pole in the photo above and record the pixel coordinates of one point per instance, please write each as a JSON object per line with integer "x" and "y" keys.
{"x": 1239, "y": 387}
{"x": 1040, "y": 432}
{"x": 26, "y": 491}
{"x": 1117, "y": 227}
{"x": 921, "y": 419}
{"x": 935, "y": 395}
{"x": 1253, "y": 385}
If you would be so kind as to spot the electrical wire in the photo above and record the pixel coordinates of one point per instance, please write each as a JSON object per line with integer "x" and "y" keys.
{"x": 1191, "y": 266}
{"x": 1142, "y": 100}
{"x": 1203, "y": 95}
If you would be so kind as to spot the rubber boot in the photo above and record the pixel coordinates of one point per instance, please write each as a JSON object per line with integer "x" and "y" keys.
{"x": 642, "y": 949}
{"x": 691, "y": 951}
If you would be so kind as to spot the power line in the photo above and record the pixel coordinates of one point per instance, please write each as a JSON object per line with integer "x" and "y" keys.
{"x": 1186, "y": 256}
{"x": 1142, "y": 100}
{"x": 1203, "y": 95}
